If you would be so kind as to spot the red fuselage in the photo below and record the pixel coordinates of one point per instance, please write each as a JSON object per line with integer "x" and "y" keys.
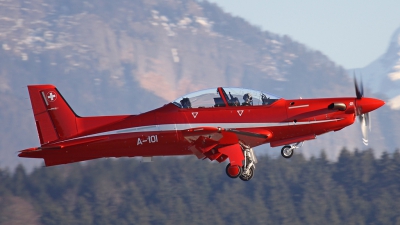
{"x": 173, "y": 130}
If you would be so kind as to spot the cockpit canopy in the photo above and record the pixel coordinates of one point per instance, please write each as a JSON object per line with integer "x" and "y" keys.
{"x": 221, "y": 97}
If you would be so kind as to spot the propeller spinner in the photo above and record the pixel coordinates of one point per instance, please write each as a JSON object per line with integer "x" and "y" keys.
{"x": 363, "y": 107}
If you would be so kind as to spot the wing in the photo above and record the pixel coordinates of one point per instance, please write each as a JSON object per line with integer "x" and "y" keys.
{"x": 216, "y": 143}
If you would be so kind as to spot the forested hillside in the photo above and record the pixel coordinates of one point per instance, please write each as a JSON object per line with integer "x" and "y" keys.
{"x": 358, "y": 189}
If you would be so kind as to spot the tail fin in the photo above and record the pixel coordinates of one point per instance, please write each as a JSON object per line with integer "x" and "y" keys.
{"x": 55, "y": 120}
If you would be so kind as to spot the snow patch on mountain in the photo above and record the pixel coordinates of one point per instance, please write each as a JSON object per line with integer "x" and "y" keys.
{"x": 394, "y": 76}
{"x": 394, "y": 103}
{"x": 383, "y": 75}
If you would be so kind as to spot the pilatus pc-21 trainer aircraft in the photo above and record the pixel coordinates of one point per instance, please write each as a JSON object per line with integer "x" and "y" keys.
{"x": 219, "y": 124}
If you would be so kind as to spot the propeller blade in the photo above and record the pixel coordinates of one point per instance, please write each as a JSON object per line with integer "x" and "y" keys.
{"x": 362, "y": 88}
{"x": 363, "y": 118}
{"x": 369, "y": 123}
{"x": 365, "y": 126}
{"x": 359, "y": 88}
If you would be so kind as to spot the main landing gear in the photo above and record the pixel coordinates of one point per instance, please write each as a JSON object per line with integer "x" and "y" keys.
{"x": 287, "y": 151}
{"x": 246, "y": 172}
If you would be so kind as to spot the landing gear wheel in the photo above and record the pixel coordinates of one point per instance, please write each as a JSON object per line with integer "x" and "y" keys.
{"x": 233, "y": 171}
{"x": 247, "y": 176}
{"x": 287, "y": 151}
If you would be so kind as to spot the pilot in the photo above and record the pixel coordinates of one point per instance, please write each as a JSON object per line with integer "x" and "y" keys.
{"x": 264, "y": 99}
{"x": 248, "y": 100}
{"x": 185, "y": 102}
{"x": 233, "y": 101}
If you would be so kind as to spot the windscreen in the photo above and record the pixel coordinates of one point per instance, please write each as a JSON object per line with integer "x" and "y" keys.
{"x": 234, "y": 96}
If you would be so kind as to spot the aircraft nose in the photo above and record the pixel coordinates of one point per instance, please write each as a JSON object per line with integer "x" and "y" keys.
{"x": 369, "y": 104}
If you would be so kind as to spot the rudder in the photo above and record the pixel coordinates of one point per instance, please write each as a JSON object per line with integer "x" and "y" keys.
{"x": 55, "y": 120}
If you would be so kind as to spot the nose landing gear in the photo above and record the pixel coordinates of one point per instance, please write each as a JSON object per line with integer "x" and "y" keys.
{"x": 287, "y": 151}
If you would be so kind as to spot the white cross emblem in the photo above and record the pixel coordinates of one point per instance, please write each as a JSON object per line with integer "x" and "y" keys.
{"x": 51, "y": 96}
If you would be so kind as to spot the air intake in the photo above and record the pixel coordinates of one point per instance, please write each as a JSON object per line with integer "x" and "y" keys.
{"x": 337, "y": 106}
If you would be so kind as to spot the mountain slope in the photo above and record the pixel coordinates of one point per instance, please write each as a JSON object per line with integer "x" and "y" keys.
{"x": 381, "y": 79}
{"x": 383, "y": 74}
{"x": 128, "y": 57}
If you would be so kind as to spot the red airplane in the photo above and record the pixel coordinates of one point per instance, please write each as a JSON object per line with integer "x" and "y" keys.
{"x": 218, "y": 124}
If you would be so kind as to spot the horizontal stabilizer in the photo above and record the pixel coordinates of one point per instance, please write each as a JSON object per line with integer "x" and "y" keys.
{"x": 54, "y": 161}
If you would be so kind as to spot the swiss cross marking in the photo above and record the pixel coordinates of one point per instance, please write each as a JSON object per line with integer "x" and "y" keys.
{"x": 194, "y": 114}
{"x": 240, "y": 112}
{"x": 51, "y": 96}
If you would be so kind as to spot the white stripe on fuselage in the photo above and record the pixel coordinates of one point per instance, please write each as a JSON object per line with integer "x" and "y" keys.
{"x": 185, "y": 126}
{"x": 299, "y": 106}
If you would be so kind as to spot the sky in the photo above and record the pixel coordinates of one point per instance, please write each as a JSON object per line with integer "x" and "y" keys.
{"x": 352, "y": 33}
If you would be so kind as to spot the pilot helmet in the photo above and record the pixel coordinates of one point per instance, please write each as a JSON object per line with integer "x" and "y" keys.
{"x": 247, "y": 97}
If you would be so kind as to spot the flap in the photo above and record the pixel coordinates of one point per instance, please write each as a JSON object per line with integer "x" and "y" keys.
{"x": 218, "y": 143}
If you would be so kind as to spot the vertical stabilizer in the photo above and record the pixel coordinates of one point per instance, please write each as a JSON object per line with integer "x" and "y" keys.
{"x": 55, "y": 120}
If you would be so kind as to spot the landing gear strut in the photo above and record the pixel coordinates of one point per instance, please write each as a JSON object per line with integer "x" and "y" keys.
{"x": 287, "y": 151}
{"x": 246, "y": 172}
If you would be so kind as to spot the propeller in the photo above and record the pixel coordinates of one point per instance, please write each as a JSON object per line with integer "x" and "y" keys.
{"x": 359, "y": 88}
{"x": 362, "y": 117}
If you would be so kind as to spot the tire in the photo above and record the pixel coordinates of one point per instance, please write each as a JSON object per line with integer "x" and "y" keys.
{"x": 229, "y": 171}
{"x": 247, "y": 177}
{"x": 285, "y": 153}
